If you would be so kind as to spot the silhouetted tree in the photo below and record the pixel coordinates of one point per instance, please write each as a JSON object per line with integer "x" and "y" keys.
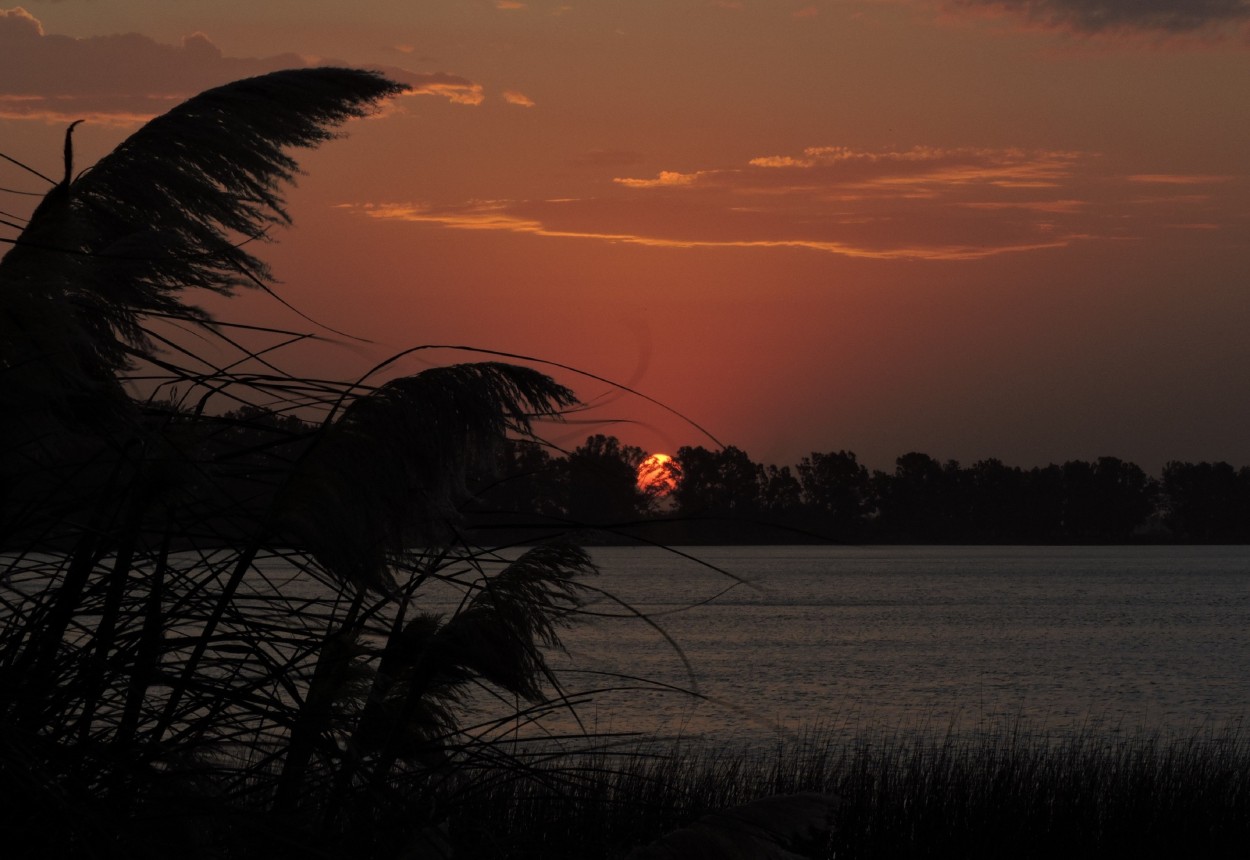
{"x": 1105, "y": 500}
{"x": 242, "y": 458}
{"x": 1043, "y": 503}
{"x": 526, "y": 488}
{"x": 914, "y": 499}
{"x": 837, "y": 492}
{"x": 781, "y": 494}
{"x": 997, "y": 501}
{"x": 602, "y": 482}
{"x": 720, "y": 483}
{"x": 1206, "y": 502}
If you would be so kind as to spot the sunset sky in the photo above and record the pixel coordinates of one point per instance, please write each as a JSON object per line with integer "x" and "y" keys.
{"x": 974, "y": 228}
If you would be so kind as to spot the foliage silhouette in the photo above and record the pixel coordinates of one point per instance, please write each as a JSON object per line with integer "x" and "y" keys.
{"x": 210, "y": 620}
{"x": 722, "y": 496}
{"x": 602, "y": 482}
{"x": 836, "y": 487}
{"x": 1207, "y": 501}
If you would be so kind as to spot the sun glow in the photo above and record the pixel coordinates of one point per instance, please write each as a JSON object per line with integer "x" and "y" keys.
{"x": 657, "y": 475}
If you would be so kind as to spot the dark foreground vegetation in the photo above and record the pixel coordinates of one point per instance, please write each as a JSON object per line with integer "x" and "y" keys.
{"x": 1005, "y": 793}
{"x": 215, "y": 638}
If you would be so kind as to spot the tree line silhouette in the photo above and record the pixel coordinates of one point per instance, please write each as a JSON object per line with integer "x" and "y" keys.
{"x": 723, "y": 496}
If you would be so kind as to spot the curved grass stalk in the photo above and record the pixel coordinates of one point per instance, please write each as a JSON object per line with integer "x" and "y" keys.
{"x": 149, "y": 662}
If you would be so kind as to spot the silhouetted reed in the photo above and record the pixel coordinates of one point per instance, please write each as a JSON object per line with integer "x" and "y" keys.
{"x": 1002, "y": 793}
{"x": 213, "y": 631}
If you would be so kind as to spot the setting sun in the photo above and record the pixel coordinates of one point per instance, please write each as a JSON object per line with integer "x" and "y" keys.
{"x": 657, "y": 475}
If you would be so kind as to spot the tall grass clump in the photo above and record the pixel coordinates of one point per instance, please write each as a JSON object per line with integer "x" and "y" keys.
{"x": 1031, "y": 795}
{"x": 214, "y": 632}
{"x": 913, "y": 794}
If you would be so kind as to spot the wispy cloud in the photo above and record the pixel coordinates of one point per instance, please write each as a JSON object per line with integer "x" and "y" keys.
{"x": 924, "y": 203}
{"x": 920, "y": 170}
{"x": 513, "y": 97}
{"x": 496, "y": 216}
{"x": 1179, "y": 178}
{"x": 130, "y": 77}
{"x": 454, "y": 88}
{"x": 1053, "y": 207}
{"x": 665, "y": 179}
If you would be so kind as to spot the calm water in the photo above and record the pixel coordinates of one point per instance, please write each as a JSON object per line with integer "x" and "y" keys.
{"x": 1061, "y": 637}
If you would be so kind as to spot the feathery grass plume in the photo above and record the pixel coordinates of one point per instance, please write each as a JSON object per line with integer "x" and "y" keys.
{"x": 431, "y": 666}
{"x": 389, "y": 473}
{"x": 172, "y": 206}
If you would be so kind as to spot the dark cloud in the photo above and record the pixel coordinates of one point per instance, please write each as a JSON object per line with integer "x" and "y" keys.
{"x": 1111, "y": 16}
{"x": 130, "y": 77}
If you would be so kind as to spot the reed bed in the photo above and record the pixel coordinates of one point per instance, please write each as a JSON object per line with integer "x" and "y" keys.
{"x": 1008, "y": 792}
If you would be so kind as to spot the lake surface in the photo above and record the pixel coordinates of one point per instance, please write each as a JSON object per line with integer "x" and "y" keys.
{"x": 757, "y": 644}
{"x": 1058, "y": 638}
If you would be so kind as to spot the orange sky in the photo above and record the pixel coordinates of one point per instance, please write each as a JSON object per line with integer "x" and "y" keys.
{"x": 971, "y": 228}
